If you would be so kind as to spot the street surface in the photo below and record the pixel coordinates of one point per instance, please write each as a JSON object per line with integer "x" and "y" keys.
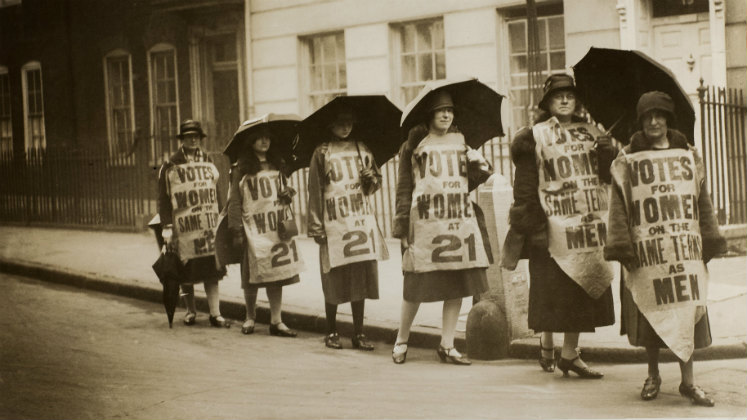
{"x": 71, "y": 353}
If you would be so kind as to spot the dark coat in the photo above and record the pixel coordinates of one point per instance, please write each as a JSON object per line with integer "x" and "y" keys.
{"x": 619, "y": 246}
{"x": 526, "y": 216}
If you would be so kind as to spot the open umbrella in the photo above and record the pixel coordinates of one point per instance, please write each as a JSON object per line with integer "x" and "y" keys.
{"x": 283, "y": 129}
{"x": 610, "y": 81}
{"x": 477, "y": 109}
{"x": 376, "y": 125}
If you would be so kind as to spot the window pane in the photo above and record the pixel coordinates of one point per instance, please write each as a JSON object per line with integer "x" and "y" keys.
{"x": 329, "y": 77}
{"x": 408, "y": 68}
{"x": 438, "y": 35}
{"x": 557, "y": 60}
{"x": 519, "y": 64}
{"x": 342, "y": 77}
{"x": 542, "y": 34}
{"x": 316, "y": 50}
{"x": 440, "y": 66}
{"x": 557, "y": 32}
{"x": 340, "y": 47}
{"x": 425, "y": 67}
{"x": 316, "y": 78}
{"x": 424, "y": 37}
{"x": 329, "y": 53}
{"x": 517, "y": 35}
{"x": 408, "y": 38}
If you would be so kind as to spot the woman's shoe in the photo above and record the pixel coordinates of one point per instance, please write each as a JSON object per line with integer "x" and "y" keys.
{"x": 276, "y": 330}
{"x": 219, "y": 322}
{"x": 651, "y": 388}
{"x": 361, "y": 342}
{"x": 333, "y": 341}
{"x": 696, "y": 395}
{"x": 547, "y": 364}
{"x": 582, "y": 371}
{"x": 400, "y": 356}
{"x": 247, "y": 327}
{"x": 190, "y": 318}
{"x": 451, "y": 355}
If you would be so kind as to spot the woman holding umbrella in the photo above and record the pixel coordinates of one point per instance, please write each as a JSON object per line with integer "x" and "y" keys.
{"x": 189, "y": 227}
{"x": 258, "y": 204}
{"x": 444, "y": 254}
{"x": 342, "y": 175}
{"x": 677, "y": 216}
{"x": 558, "y": 221}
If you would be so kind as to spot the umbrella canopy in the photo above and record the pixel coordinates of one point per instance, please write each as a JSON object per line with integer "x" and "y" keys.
{"x": 376, "y": 125}
{"x": 477, "y": 109}
{"x": 170, "y": 271}
{"x": 610, "y": 81}
{"x": 283, "y": 129}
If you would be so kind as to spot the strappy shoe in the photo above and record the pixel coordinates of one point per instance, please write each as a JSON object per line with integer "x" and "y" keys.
{"x": 651, "y": 388}
{"x": 696, "y": 395}
{"x": 451, "y": 355}
{"x": 333, "y": 341}
{"x": 360, "y": 341}
{"x": 219, "y": 322}
{"x": 190, "y": 318}
{"x": 584, "y": 372}
{"x": 282, "y": 330}
{"x": 400, "y": 356}
{"x": 547, "y": 364}
{"x": 247, "y": 327}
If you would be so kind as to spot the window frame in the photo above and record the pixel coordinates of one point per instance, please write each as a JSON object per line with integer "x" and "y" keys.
{"x": 159, "y": 48}
{"x": 5, "y": 74}
{"x": 307, "y": 93}
{"x": 118, "y": 53}
{"x": 511, "y": 88}
{"x": 398, "y": 86}
{"x": 25, "y": 69}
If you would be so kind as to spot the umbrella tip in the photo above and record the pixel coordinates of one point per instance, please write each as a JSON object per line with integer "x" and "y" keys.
{"x": 170, "y": 324}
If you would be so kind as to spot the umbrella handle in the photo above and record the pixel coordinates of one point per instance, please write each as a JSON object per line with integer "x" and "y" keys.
{"x": 612, "y": 127}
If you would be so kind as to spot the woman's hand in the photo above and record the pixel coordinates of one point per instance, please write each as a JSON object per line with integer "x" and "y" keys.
{"x": 404, "y": 243}
{"x": 167, "y": 235}
{"x": 320, "y": 240}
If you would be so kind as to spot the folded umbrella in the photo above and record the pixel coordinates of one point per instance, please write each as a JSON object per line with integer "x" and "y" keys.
{"x": 376, "y": 125}
{"x": 477, "y": 109}
{"x": 610, "y": 82}
{"x": 170, "y": 272}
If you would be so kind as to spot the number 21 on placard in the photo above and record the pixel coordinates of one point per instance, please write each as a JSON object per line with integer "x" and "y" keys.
{"x": 358, "y": 244}
{"x": 280, "y": 254}
{"x": 450, "y": 243}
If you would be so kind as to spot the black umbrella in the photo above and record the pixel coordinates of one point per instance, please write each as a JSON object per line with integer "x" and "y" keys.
{"x": 283, "y": 129}
{"x": 170, "y": 272}
{"x": 610, "y": 81}
{"x": 376, "y": 125}
{"x": 477, "y": 109}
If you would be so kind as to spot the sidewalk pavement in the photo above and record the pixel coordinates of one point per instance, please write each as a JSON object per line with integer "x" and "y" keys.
{"x": 120, "y": 263}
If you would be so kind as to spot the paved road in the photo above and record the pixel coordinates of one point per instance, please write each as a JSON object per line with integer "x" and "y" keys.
{"x": 68, "y": 353}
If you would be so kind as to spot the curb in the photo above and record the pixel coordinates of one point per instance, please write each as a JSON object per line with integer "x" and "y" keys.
{"x": 231, "y": 308}
{"x": 521, "y": 349}
{"x": 305, "y": 320}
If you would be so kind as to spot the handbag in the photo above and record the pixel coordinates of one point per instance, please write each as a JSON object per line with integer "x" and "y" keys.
{"x": 287, "y": 227}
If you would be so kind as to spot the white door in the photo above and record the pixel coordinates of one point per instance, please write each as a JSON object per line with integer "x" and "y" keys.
{"x": 685, "y": 47}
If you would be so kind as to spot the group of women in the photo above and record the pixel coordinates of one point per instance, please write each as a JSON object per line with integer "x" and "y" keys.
{"x": 444, "y": 245}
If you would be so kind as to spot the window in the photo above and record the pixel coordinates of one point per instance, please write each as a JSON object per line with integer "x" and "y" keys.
{"x": 327, "y": 70}
{"x": 120, "y": 118}
{"x": 6, "y": 125}
{"x": 551, "y": 60}
{"x": 33, "y": 106}
{"x": 662, "y": 8}
{"x": 422, "y": 56}
{"x": 164, "y": 99}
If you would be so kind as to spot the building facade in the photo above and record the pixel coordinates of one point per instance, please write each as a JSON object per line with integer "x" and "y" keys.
{"x": 112, "y": 74}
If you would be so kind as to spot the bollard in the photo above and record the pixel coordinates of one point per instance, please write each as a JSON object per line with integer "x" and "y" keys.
{"x": 501, "y": 313}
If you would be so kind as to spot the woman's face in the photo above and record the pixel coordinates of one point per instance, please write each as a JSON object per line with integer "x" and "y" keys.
{"x": 654, "y": 124}
{"x": 562, "y": 104}
{"x": 191, "y": 140}
{"x": 342, "y": 126}
{"x": 442, "y": 119}
{"x": 261, "y": 144}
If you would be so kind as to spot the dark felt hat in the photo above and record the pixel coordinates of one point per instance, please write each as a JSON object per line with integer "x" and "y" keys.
{"x": 655, "y": 100}
{"x": 190, "y": 126}
{"x": 554, "y": 83}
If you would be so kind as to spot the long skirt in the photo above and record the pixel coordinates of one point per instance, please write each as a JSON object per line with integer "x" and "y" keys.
{"x": 640, "y": 332}
{"x": 559, "y": 304}
{"x": 245, "y": 277}
{"x": 351, "y": 282}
